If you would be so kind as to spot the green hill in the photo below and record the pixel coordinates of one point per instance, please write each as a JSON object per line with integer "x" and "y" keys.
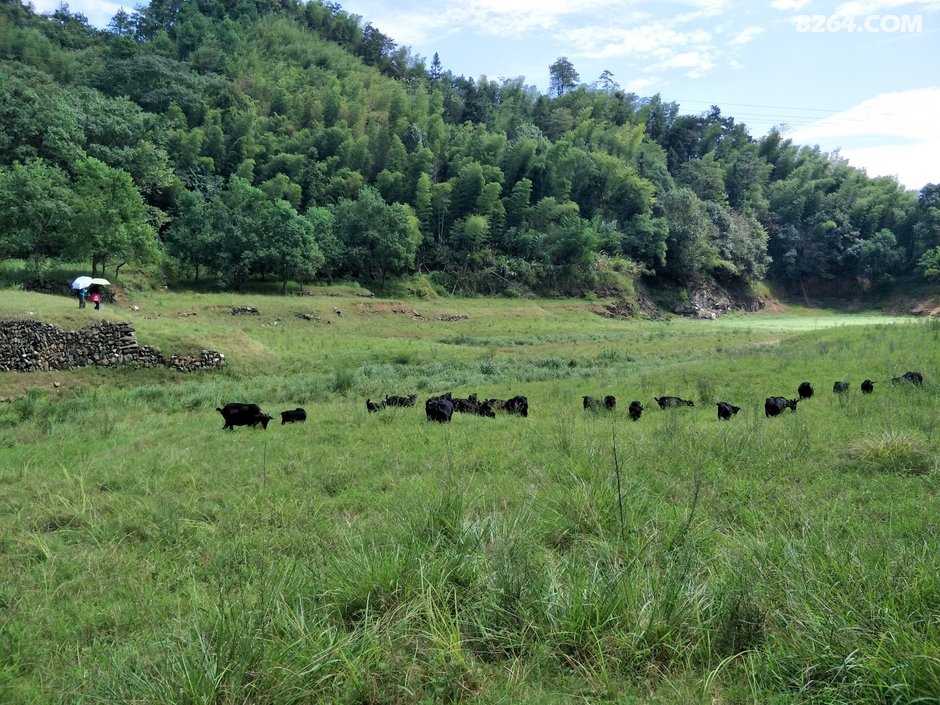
{"x": 226, "y": 141}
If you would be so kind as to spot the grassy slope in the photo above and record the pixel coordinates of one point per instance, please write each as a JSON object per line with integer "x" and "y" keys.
{"x": 377, "y": 558}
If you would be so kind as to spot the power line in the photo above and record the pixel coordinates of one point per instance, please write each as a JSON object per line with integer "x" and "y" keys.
{"x": 770, "y": 107}
{"x": 800, "y": 120}
{"x": 803, "y": 118}
{"x": 793, "y": 120}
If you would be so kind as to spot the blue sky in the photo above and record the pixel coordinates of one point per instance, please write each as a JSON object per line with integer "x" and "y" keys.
{"x": 862, "y": 77}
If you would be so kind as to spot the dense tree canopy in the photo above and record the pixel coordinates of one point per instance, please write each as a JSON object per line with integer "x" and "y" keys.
{"x": 294, "y": 140}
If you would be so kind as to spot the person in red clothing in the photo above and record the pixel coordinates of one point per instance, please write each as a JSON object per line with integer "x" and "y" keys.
{"x": 96, "y": 300}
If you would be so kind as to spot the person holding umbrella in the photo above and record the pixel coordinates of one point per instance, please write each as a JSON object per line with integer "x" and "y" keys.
{"x": 97, "y": 292}
{"x": 81, "y": 286}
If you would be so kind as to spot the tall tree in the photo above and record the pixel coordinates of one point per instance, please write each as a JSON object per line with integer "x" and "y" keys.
{"x": 379, "y": 239}
{"x": 607, "y": 83}
{"x": 517, "y": 203}
{"x": 467, "y": 188}
{"x": 570, "y": 248}
{"x": 121, "y": 24}
{"x": 437, "y": 69}
{"x": 258, "y": 235}
{"x": 111, "y": 222}
{"x": 562, "y": 77}
{"x": 192, "y": 238}
{"x": 880, "y": 257}
{"x": 929, "y": 264}
{"x": 691, "y": 242}
{"x": 288, "y": 244}
{"x": 423, "y": 203}
{"x": 35, "y": 212}
{"x": 926, "y": 231}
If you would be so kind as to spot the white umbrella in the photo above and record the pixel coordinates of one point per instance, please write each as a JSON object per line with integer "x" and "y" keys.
{"x": 82, "y": 282}
{"x": 100, "y": 281}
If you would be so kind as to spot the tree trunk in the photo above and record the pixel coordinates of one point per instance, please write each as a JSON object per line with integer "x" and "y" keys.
{"x": 117, "y": 270}
{"x": 97, "y": 260}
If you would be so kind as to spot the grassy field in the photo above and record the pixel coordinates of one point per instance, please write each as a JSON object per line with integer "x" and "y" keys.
{"x": 148, "y": 557}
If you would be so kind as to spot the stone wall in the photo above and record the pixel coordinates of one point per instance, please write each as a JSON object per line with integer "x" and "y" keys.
{"x": 30, "y": 346}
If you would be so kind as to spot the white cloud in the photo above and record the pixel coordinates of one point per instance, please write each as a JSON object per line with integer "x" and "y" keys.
{"x": 904, "y": 114}
{"x": 697, "y": 63}
{"x": 582, "y": 29}
{"x": 588, "y": 30}
{"x": 649, "y": 40}
{"x": 703, "y": 8}
{"x": 638, "y": 85}
{"x": 713, "y": 7}
{"x": 498, "y": 18}
{"x": 746, "y": 35}
{"x": 868, "y": 7}
{"x": 890, "y": 134}
{"x": 685, "y": 60}
{"x": 413, "y": 28}
{"x": 98, "y": 12}
{"x": 790, "y": 5}
{"x": 914, "y": 165}
{"x": 546, "y": 7}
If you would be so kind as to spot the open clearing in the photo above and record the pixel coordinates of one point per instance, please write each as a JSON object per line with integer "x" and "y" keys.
{"x": 146, "y": 556}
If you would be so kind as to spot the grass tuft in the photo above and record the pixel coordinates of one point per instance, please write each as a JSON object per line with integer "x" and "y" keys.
{"x": 894, "y": 453}
{"x": 343, "y": 382}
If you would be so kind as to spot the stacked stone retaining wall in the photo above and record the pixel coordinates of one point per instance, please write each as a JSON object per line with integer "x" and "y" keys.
{"x": 31, "y": 346}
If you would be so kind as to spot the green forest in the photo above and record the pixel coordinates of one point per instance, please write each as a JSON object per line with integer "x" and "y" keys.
{"x": 226, "y": 141}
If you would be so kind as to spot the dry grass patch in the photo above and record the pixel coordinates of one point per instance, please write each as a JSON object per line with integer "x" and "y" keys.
{"x": 892, "y": 452}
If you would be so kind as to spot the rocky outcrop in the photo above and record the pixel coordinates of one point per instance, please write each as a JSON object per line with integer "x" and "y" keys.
{"x": 641, "y": 307}
{"x": 707, "y": 301}
{"x": 926, "y": 308}
{"x": 30, "y": 346}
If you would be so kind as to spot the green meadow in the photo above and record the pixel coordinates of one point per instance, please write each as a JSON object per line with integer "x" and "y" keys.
{"x": 148, "y": 557}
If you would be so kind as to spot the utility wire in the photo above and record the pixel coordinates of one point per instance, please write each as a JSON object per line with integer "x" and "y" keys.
{"x": 769, "y": 107}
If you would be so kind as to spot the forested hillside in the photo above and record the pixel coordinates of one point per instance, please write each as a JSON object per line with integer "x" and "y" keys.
{"x": 230, "y": 139}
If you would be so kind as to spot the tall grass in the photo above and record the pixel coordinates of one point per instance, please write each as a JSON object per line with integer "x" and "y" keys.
{"x": 148, "y": 557}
